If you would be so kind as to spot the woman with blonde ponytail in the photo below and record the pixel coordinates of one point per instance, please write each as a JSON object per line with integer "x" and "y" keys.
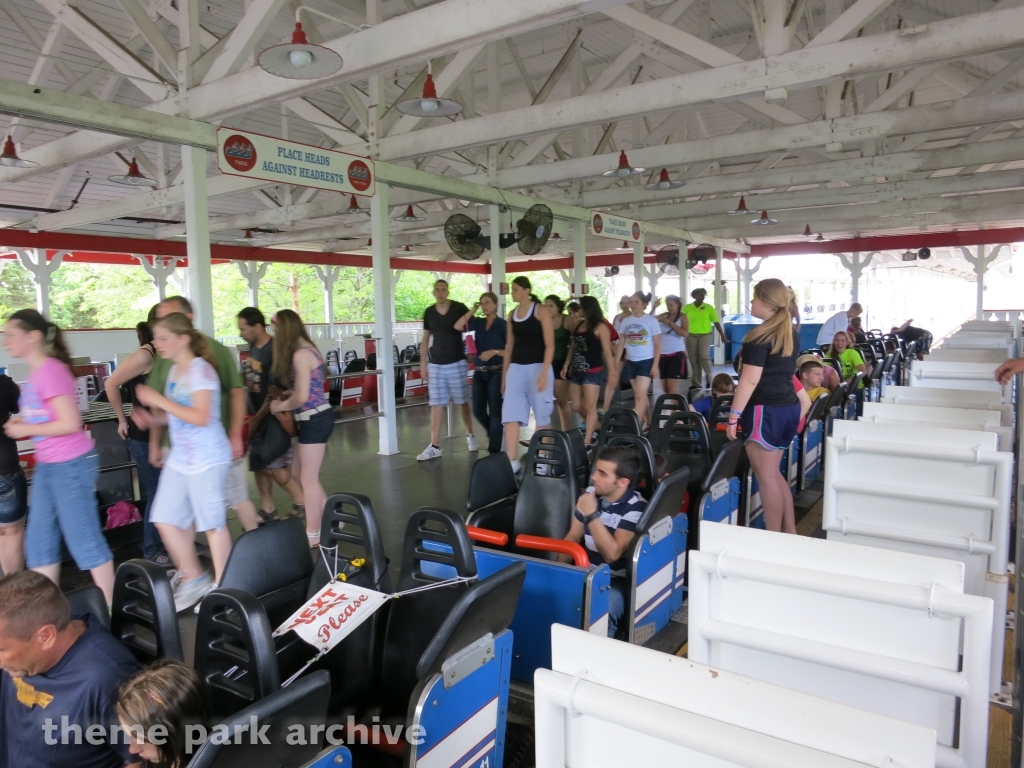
{"x": 767, "y": 406}
{"x": 190, "y": 496}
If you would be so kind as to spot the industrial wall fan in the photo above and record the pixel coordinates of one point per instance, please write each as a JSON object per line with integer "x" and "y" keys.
{"x": 468, "y": 242}
{"x": 667, "y": 260}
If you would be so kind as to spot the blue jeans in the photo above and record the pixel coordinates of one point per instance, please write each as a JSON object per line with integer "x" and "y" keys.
{"x": 149, "y": 477}
{"x": 616, "y": 604}
{"x": 63, "y": 504}
{"x": 487, "y": 406}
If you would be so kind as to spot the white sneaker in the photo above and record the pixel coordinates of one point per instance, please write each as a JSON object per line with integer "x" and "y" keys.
{"x": 471, "y": 442}
{"x": 188, "y": 593}
{"x": 542, "y": 470}
{"x": 516, "y": 466}
{"x": 200, "y": 603}
{"x": 430, "y": 452}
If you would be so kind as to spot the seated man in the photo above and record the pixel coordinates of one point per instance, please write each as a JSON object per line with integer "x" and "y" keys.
{"x": 605, "y": 521}
{"x": 909, "y": 333}
{"x": 59, "y": 681}
{"x": 812, "y": 374}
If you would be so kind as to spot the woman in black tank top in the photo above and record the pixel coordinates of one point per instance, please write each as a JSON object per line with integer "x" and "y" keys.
{"x": 590, "y": 358}
{"x": 526, "y": 380}
{"x": 124, "y": 379}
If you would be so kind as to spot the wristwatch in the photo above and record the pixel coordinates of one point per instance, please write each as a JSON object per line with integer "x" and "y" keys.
{"x": 587, "y": 520}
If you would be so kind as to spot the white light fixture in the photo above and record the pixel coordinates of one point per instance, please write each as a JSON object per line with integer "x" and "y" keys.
{"x": 740, "y": 209}
{"x": 10, "y": 157}
{"x": 300, "y": 59}
{"x": 353, "y": 207}
{"x": 764, "y": 219}
{"x": 429, "y": 104}
{"x": 409, "y": 216}
{"x": 664, "y": 182}
{"x": 134, "y": 177}
{"x": 624, "y": 168}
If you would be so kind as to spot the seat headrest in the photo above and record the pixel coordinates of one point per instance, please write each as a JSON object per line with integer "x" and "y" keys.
{"x": 487, "y": 607}
{"x": 667, "y": 500}
{"x": 143, "y": 616}
{"x": 435, "y": 536}
{"x": 270, "y": 558}
{"x": 647, "y": 483}
{"x": 89, "y": 600}
{"x": 350, "y": 523}
{"x": 619, "y": 421}
{"x": 545, "y": 501}
{"x": 304, "y": 701}
{"x": 550, "y": 449}
{"x": 490, "y": 480}
{"x": 685, "y": 432}
{"x": 725, "y": 463}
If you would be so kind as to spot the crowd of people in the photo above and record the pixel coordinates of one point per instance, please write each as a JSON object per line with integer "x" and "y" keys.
{"x": 195, "y": 421}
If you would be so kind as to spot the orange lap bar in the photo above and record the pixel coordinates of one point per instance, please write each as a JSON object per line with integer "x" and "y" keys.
{"x": 487, "y": 537}
{"x": 563, "y": 547}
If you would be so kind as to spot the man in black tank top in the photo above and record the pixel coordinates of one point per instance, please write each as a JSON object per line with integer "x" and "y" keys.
{"x": 443, "y": 366}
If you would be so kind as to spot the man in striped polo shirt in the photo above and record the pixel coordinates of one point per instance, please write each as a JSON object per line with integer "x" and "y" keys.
{"x": 605, "y": 521}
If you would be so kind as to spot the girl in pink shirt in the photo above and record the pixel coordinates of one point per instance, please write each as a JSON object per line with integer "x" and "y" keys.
{"x": 62, "y": 504}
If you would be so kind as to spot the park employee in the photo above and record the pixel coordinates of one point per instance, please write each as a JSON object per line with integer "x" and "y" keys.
{"x": 698, "y": 344}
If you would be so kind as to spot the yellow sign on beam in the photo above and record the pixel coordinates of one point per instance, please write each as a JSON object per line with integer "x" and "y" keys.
{"x": 263, "y": 157}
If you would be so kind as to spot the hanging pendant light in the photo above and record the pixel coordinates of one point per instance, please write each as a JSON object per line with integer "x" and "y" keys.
{"x": 299, "y": 59}
{"x": 664, "y": 182}
{"x": 134, "y": 177}
{"x": 822, "y": 239}
{"x": 409, "y": 216}
{"x": 10, "y": 157}
{"x": 556, "y": 238}
{"x": 764, "y": 219}
{"x": 624, "y": 247}
{"x": 353, "y": 207}
{"x": 247, "y": 238}
{"x": 429, "y": 104}
{"x": 408, "y": 249}
{"x": 740, "y": 209}
{"x": 807, "y": 232}
{"x": 624, "y": 169}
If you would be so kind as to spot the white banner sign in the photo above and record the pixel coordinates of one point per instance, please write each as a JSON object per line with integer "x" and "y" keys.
{"x": 333, "y": 614}
{"x": 287, "y": 162}
{"x": 615, "y": 227}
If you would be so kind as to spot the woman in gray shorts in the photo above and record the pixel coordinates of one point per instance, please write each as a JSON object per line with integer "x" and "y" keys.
{"x": 526, "y": 380}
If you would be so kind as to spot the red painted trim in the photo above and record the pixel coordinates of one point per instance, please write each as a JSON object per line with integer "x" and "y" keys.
{"x": 893, "y": 242}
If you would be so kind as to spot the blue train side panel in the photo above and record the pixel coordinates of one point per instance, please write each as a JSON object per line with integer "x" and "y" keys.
{"x": 810, "y": 456}
{"x": 679, "y": 530}
{"x": 332, "y": 759}
{"x": 464, "y": 726}
{"x": 722, "y": 503}
{"x": 552, "y": 594}
{"x": 654, "y": 570}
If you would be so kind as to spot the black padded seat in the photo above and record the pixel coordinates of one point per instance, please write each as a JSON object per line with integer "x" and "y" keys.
{"x": 491, "y": 500}
{"x": 665, "y": 406}
{"x": 818, "y": 409}
{"x": 274, "y": 564}
{"x": 143, "y": 616}
{"x": 350, "y": 524}
{"x": 685, "y": 442}
{"x": 580, "y": 457}
{"x": 89, "y": 600}
{"x": 720, "y": 408}
{"x": 303, "y": 702}
{"x": 837, "y": 402}
{"x": 617, "y": 421}
{"x": 647, "y": 482}
{"x": 235, "y": 651}
{"x": 726, "y": 465}
{"x": 414, "y": 619}
{"x": 545, "y": 502}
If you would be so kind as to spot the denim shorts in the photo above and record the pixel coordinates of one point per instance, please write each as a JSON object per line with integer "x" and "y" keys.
{"x": 317, "y": 429}
{"x": 13, "y": 497}
{"x": 635, "y": 369}
{"x": 597, "y": 378}
{"x": 62, "y": 504}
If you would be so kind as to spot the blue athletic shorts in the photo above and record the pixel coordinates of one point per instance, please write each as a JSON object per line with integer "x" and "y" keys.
{"x": 770, "y": 426}
{"x": 637, "y": 368}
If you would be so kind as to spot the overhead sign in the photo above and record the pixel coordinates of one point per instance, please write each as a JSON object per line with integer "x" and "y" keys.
{"x": 332, "y": 614}
{"x": 288, "y": 162}
{"x": 615, "y": 227}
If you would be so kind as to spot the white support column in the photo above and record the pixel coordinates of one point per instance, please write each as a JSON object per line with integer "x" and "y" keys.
{"x": 856, "y": 265}
{"x": 159, "y": 268}
{"x": 684, "y": 273}
{"x": 638, "y": 265}
{"x": 498, "y": 275}
{"x": 746, "y": 273}
{"x": 396, "y": 275}
{"x": 383, "y": 331}
{"x": 719, "y": 343}
{"x": 980, "y": 263}
{"x": 35, "y": 261}
{"x": 197, "y": 238}
{"x": 328, "y": 276}
{"x": 253, "y": 272}
{"x": 579, "y": 257}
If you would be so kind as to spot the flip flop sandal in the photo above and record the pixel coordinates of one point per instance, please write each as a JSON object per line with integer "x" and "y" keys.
{"x": 267, "y": 517}
{"x": 298, "y": 510}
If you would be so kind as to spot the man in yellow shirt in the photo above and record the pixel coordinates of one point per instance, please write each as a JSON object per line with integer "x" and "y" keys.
{"x": 702, "y": 318}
